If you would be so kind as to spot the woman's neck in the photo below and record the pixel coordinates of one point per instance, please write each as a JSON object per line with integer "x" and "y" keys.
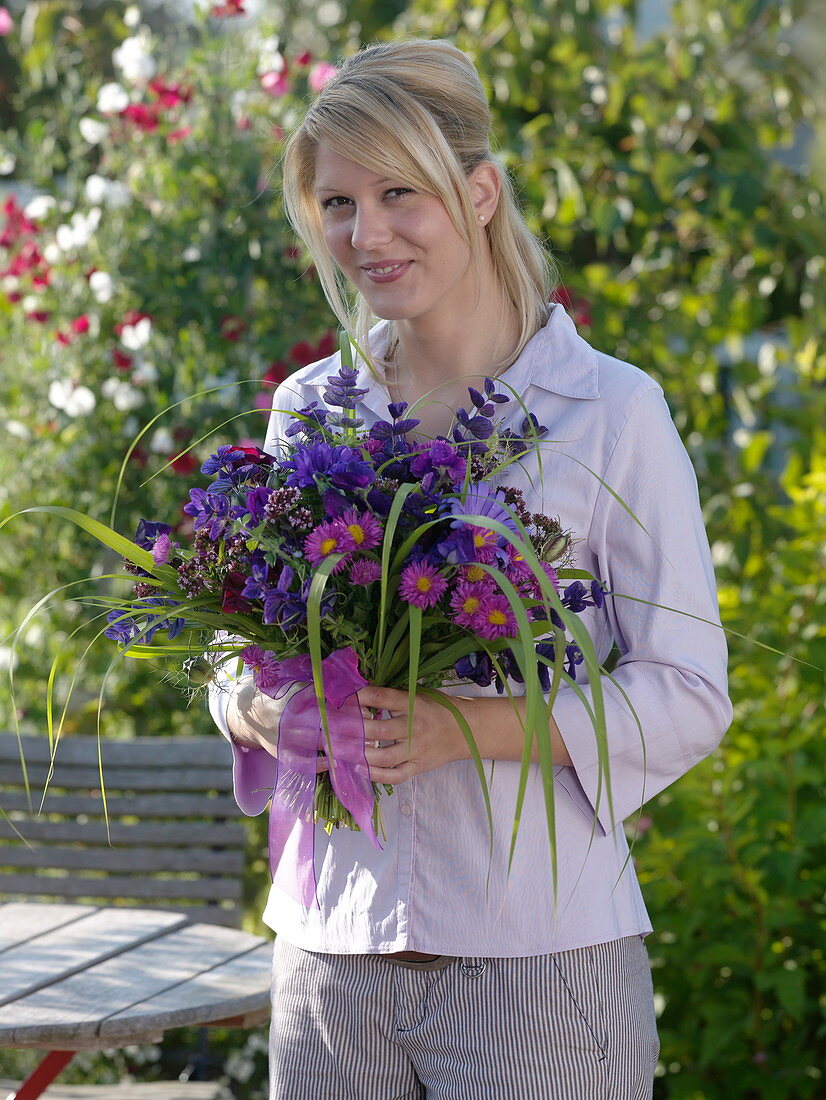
{"x": 435, "y": 364}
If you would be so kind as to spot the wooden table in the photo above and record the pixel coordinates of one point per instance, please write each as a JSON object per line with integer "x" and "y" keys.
{"x": 81, "y": 977}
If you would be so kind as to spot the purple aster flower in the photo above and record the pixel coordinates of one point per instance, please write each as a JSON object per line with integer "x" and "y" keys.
{"x": 365, "y": 529}
{"x": 467, "y": 601}
{"x": 331, "y": 537}
{"x": 495, "y": 619}
{"x": 421, "y": 584}
{"x": 364, "y": 571}
{"x": 309, "y": 421}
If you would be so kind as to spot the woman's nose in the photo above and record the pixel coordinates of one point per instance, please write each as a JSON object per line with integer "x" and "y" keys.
{"x": 370, "y": 228}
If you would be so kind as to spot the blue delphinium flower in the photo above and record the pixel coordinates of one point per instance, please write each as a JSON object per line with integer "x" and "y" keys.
{"x": 323, "y": 463}
{"x": 309, "y": 422}
{"x": 211, "y": 512}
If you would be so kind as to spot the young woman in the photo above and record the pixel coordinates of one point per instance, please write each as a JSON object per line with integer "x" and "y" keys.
{"x": 426, "y": 970}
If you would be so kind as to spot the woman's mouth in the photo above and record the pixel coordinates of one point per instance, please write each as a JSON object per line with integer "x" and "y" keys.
{"x": 387, "y": 272}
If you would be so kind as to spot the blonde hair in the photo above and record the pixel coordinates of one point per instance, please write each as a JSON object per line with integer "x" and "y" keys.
{"x": 416, "y": 110}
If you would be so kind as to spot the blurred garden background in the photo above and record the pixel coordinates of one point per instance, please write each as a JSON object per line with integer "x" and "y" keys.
{"x": 675, "y": 158}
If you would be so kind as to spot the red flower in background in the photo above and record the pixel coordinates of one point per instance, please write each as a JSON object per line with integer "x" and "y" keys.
{"x": 578, "y": 308}
{"x": 80, "y": 324}
{"x": 170, "y": 95}
{"x": 232, "y": 328}
{"x": 121, "y": 360}
{"x": 184, "y": 462}
{"x": 144, "y": 115}
{"x": 17, "y": 224}
{"x": 227, "y": 10}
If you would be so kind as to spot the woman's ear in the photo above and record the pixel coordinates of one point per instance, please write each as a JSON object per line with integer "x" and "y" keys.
{"x": 485, "y": 188}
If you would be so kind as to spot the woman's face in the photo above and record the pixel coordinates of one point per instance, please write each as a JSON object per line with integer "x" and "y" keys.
{"x": 395, "y": 244}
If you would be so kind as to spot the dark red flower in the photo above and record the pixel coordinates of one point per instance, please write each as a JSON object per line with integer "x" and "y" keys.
{"x": 302, "y": 353}
{"x": 121, "y": 360}
{"x": 63, "y": 338}
{"x": 578, "y": 308}
{"x": 232, "y": 600}
{"x": 304, "y": 58}
{"x": 276, "y": 372}
{"x": 41, "y": 316}
{"x": 326, "y": 345}
{"x": 184, "y": 462}
{"x": 170, "y": 95}
{"x": 232, "y": 328}
{"x": 80, "y": 324}
{"x": 144, "y": 116}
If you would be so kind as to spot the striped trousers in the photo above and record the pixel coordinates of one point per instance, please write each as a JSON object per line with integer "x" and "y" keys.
{"x": 576, "y": 1025}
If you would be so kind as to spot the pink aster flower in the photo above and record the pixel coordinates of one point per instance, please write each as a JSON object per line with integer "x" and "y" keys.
{"x": 364, "y": 572}
{"x": 328, "y": 538}
{"x": 495, "y": 619}
{"x": 421, "y": 584}
{"x": 467, "y": 601}
{"x": 364, "y": 528}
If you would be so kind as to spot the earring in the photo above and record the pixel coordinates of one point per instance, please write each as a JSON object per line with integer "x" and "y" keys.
{"x": 482, "y": 218}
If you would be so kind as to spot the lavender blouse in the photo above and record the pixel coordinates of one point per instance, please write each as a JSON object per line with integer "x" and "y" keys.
{"x": 432, "y": 887}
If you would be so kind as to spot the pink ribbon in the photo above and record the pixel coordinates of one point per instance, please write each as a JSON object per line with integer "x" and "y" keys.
{"x": 300, "y": 737}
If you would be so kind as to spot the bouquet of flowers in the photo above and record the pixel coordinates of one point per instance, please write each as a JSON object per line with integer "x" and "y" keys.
{"x": 362, "y": 556}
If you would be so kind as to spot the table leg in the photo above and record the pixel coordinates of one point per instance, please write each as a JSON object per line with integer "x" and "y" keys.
{"x": 42, "y": 1076}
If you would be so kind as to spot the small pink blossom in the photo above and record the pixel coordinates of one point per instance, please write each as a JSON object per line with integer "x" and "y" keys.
{"x": 364, "y": 571}
{"x": 162, "y": 549}
{"x": 6, "y": 22}
{"x": 275, "y": 83}
{"x": 421, "y": 584}
{"x": 320, "y": 74}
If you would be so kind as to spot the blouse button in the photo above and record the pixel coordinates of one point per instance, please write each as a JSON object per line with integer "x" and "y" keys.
{"x": 406, "y": 808}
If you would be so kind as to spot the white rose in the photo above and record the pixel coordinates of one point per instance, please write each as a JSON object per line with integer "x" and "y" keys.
{"x": 162, "y": 442}
{"x": 144, "y": 371}
{"x": 40, "y": 207}
{"x": 112, "y": 99}
{"x": 101, "y": 286}
{"x": 134, "y": 60}
{"x": 81, "y": 402}
{"x": 134, "y": 337}
{"x": 112, "y": 193}
{"x": 126, "y": 398}
{"x": 93, "y": 130}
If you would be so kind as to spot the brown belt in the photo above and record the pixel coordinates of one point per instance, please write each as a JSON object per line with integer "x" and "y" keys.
{"x": 417, "y": 960}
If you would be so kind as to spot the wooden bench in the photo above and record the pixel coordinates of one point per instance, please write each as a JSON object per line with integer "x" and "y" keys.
{"x": 174, "y": 838}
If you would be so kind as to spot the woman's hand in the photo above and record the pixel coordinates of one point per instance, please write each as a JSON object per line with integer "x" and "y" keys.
{"x": 497, "y": 726}
{"x": 436, "y": 738}
{"x": 253, "y": 718}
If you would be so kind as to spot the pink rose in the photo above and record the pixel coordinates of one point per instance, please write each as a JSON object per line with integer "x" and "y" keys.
{"x": 6, "y": 23}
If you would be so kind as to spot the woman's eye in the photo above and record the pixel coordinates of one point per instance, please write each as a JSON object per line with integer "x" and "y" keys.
{"x": 397, "y": 192}
{"x": 335, "y": 202}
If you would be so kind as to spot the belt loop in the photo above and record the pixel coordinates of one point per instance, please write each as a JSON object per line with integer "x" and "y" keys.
{"x": 474, "y": 967}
